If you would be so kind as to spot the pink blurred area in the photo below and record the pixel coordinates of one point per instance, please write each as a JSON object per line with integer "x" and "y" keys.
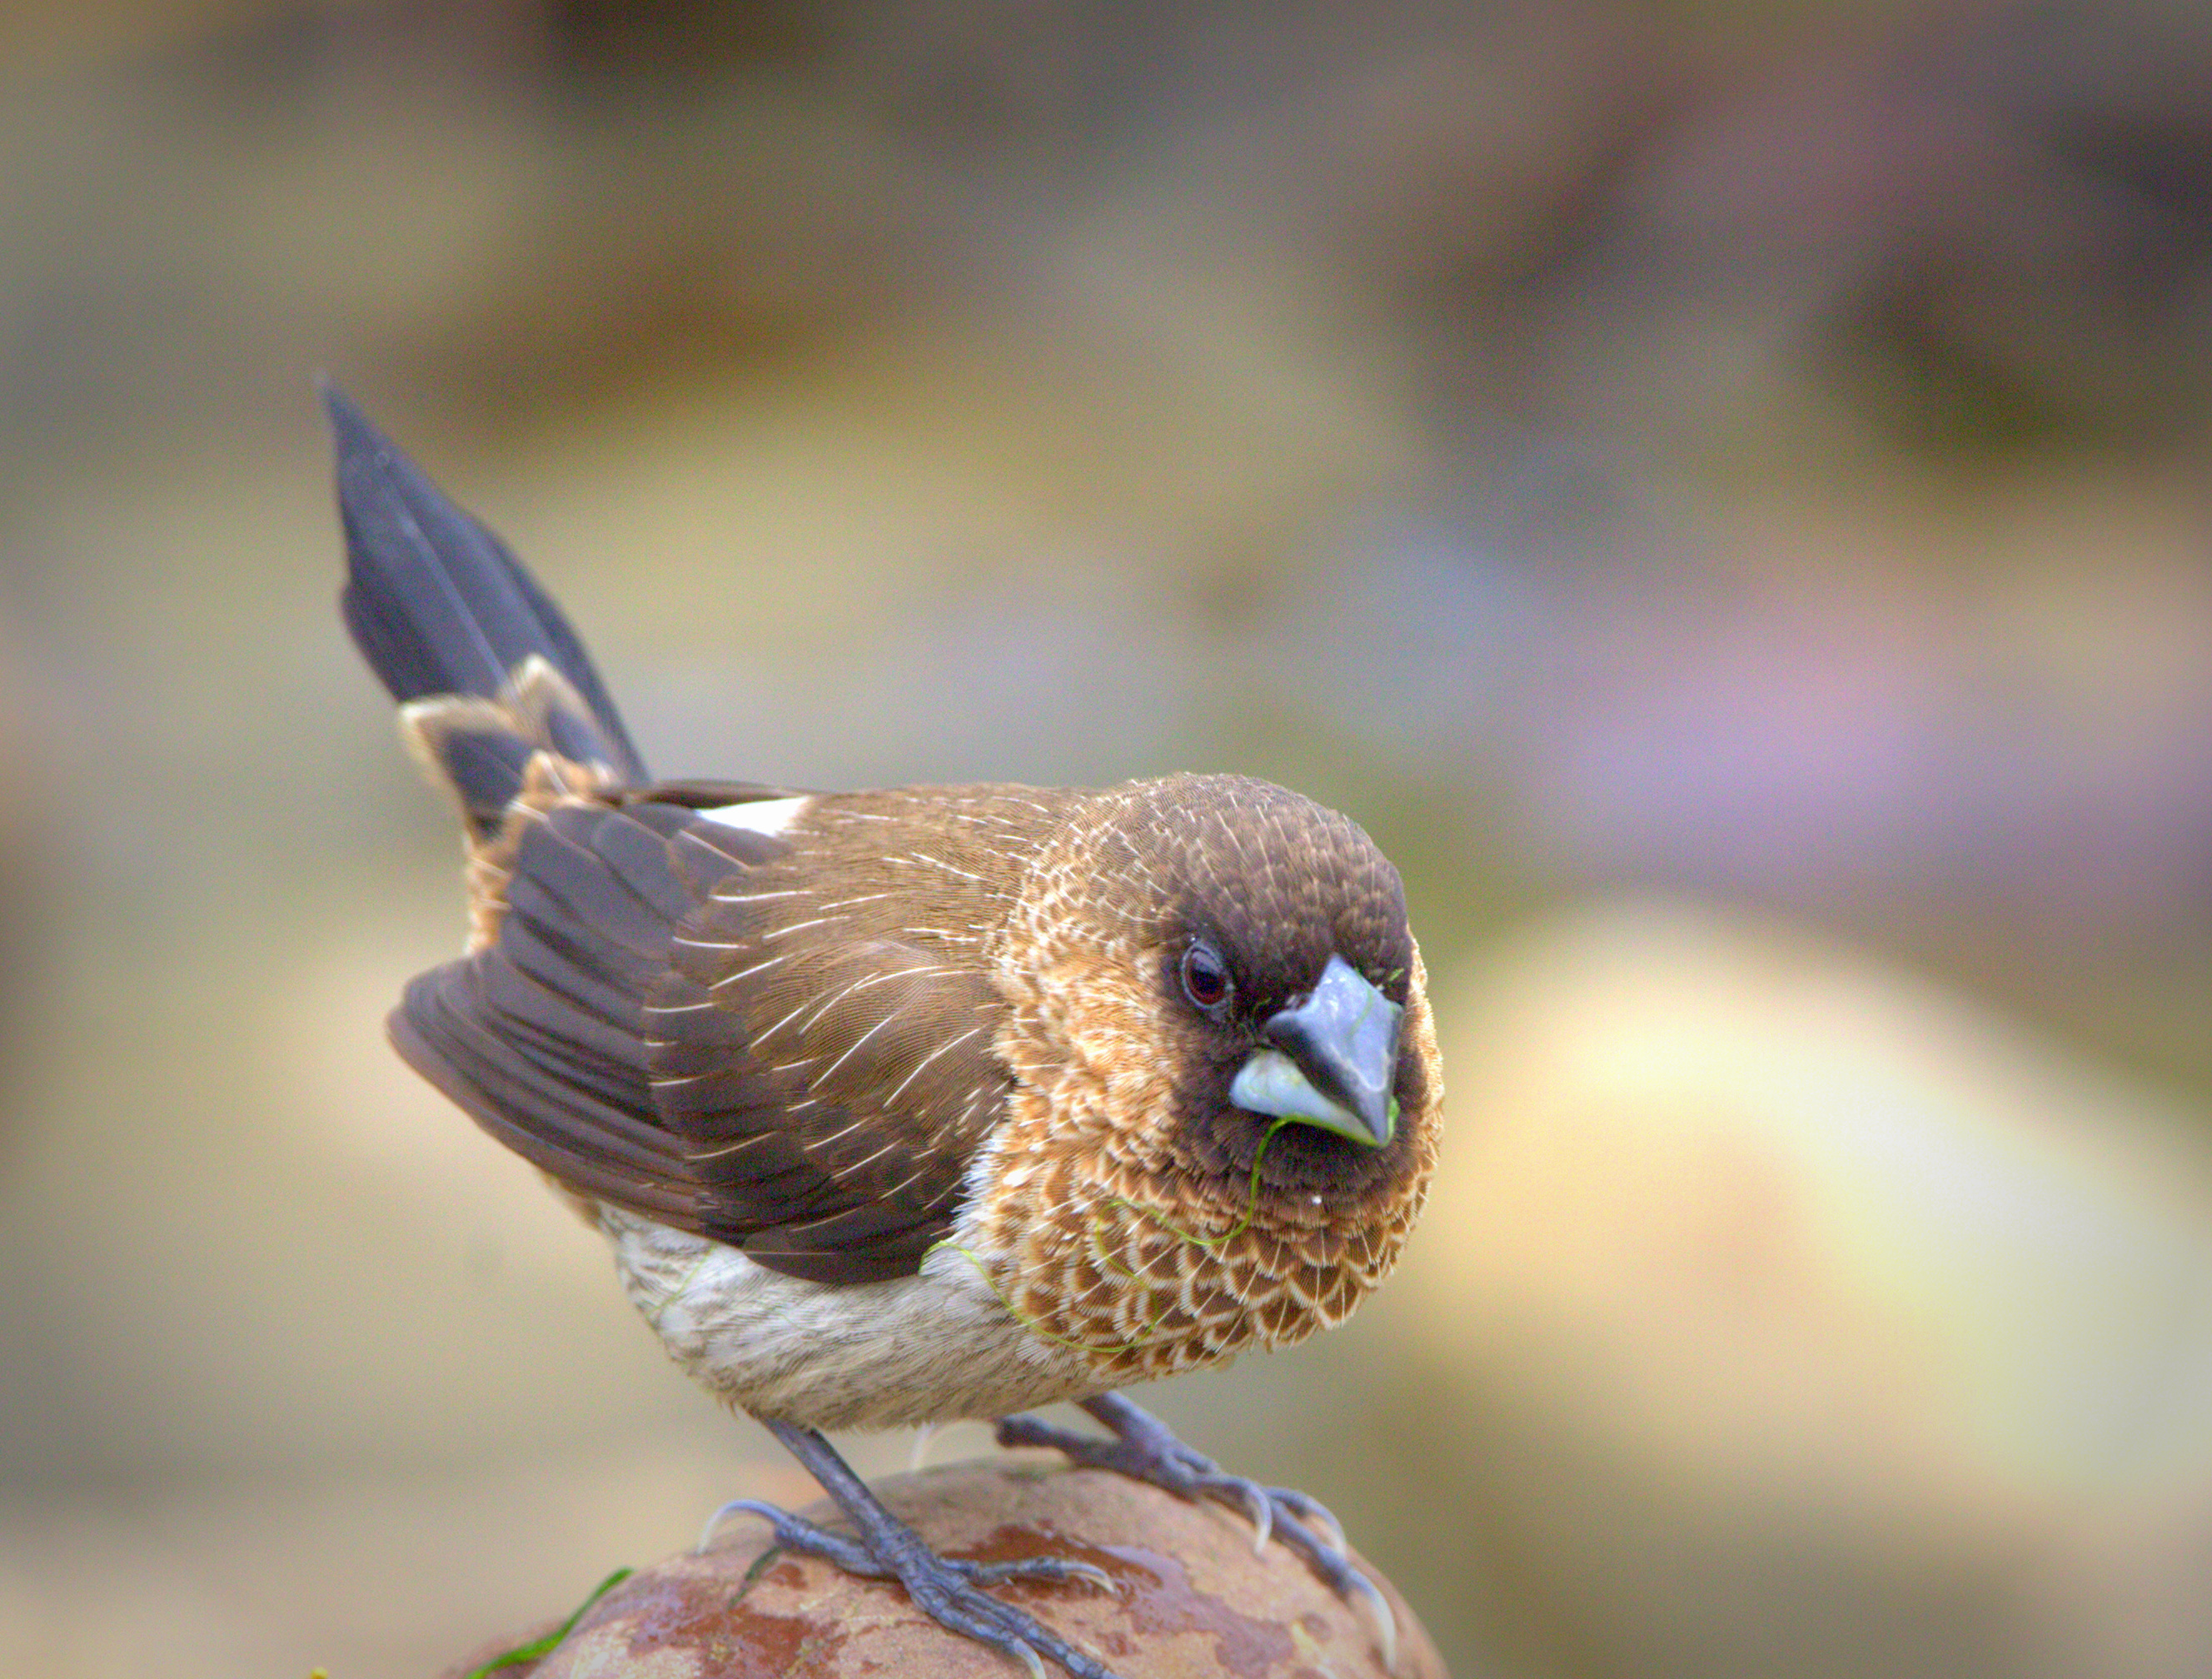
{"x": 1718, "y": 491}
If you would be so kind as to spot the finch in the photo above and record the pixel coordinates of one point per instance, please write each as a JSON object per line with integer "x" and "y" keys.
{"x": 904, "y": 1106}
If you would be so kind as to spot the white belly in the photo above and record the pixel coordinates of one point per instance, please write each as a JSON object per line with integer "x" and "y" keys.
{"x": 932, "y": 1347}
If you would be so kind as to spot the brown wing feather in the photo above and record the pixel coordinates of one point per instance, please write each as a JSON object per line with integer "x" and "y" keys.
{"x": 823, "y": 1043}
{"x": 785, "y": 1044}
{"x": 540, "y": 1033}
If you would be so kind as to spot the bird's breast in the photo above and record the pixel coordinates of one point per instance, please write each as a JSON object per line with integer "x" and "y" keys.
{"x": 1145, "y": 1272}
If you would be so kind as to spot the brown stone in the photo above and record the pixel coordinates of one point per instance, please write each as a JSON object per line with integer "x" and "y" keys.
{"x": 1194, "y": 1599}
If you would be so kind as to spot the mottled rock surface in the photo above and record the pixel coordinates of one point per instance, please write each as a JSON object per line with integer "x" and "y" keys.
{"x": 1194, "y": 1599}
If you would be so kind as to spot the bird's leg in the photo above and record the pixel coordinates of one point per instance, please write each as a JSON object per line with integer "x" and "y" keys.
{"x": 1145, "y": 1449}
{"x": 945, "y": 1589}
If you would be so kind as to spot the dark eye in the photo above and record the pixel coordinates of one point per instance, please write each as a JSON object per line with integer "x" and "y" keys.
{"x": 1205, "y": 977}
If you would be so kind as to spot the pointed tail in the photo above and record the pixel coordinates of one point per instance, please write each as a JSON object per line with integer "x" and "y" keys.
{"x": 486, "y": 669}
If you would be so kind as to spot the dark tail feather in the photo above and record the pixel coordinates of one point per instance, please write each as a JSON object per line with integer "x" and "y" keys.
{"x": 439, "y": 607}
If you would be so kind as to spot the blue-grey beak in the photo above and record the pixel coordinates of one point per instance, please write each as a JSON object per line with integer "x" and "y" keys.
{"x": 1333, "y": 1061}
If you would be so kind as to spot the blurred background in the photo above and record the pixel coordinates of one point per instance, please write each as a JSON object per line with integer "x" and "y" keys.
{"x": 1718, "y": 490}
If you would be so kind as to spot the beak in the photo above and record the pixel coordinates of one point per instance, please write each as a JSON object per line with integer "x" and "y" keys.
{"x": 1335, "y": 1059}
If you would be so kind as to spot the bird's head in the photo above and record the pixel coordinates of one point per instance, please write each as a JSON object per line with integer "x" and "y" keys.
{"x": 1251, "y": 981}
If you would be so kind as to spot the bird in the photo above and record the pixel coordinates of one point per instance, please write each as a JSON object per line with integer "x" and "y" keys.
{"x": 909, "y": 1105}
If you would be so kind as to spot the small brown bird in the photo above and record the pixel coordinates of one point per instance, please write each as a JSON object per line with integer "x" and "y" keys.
{"x": 911, "y": 1105}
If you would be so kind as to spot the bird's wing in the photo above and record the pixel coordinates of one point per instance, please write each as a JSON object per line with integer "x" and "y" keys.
{"x": 753, "y": 1035}
{"x": 824, "y": 1042}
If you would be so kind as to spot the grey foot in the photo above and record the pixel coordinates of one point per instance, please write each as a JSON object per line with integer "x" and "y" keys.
{"x": 1145, "y": 1449}
{"x": 948, "y": 1590}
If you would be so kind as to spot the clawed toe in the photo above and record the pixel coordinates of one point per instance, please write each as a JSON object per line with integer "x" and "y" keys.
{"x": 1250, "y": 1496}
{"x": 796, "y": 1533}
{"x": 1386, "y": 1618}
{"x": 1144, "y": 1449}
{"x": 1048, "y": 1570}
{"x": 1310, "y": 1510}
{"x": 948, "y": 1590}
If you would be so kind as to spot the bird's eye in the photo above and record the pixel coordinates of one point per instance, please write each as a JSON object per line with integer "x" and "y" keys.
{"x": 1205, "y": 977}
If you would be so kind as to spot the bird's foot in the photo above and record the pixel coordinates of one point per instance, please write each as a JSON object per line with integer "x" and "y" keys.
{"x": 796, "y": 1533}
{"x": 948, "y": 1590}
{"x": 1145, "y": 1449}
